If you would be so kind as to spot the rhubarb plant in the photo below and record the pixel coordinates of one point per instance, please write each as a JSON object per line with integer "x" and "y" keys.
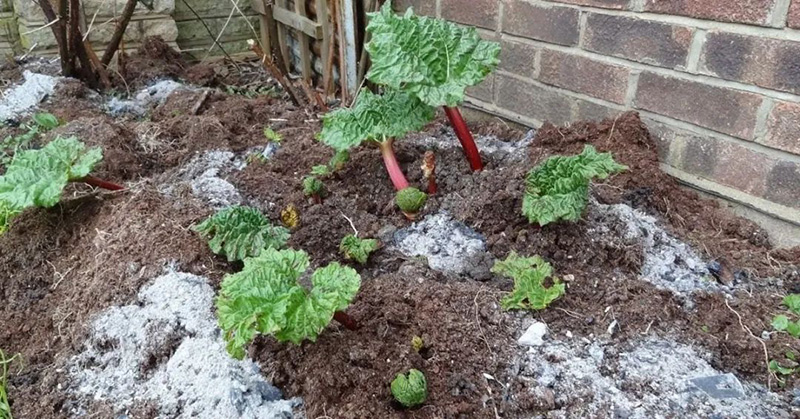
{"x": 314, "y": 188}
{"x": 783, "y": 323}
{"x": 40, "y": 122}
{"x": 434, "y": 60}
{"x": 376, "y": 119}
{"x": 410, "y": 201}
{"x": 240, "y": 232}
{"x": 357, "y": 249}
{"x": 558, "y": 189}
{"x": 530, "y": 289}
{"x": 410, "y": 389}
{"x": 266, "y": 298}
{"x": 36, "y": 178}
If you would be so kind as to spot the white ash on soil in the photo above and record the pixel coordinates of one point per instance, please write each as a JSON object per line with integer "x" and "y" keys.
{"x": 146, "y": 99}
{"x": 448, "y": 246}
{"x": 166, "y": 350}
{"x": 490, "y": 145}
{"x": 668, "y": 263}
{"x": 204, "y": 173}
{"x": 23, "y": 98}
{"x": 652, "y": 378}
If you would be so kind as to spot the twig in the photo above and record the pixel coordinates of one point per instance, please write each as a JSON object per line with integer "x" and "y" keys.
{"x": 47, "y": 25}
{"x": 313, "y": 96}
{"x": 276, "y": 73}
{"x": 224, "y": 27}
{"x": 59, "y": 31}
{"x": 200, "y": 102}
{"x": 211, "y": 34}
{"x": 111, "y": 49}
{"x": 764, "y": 345}
{"x": 351, "y": 223}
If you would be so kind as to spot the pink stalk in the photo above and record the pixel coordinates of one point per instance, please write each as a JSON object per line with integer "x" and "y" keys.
{"x": 390, "y": 161}
{"x": 465, "y": 137}
{"x": 345, "y": 320}
{"x": 99, "y": 183}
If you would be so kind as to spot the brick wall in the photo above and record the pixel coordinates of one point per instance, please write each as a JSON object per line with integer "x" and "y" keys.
{"x": 717, "y": 81}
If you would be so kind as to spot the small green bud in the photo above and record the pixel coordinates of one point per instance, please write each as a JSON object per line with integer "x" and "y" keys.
{"x": 410, "y": 200}
{"x": 411, "y": 389}
{"x": 313, "y": 186}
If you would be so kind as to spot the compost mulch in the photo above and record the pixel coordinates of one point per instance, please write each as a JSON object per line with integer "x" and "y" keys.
{"x": 61, "y": 266}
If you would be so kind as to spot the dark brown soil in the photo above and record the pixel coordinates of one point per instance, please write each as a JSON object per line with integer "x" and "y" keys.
{"x": 58, "y": 267}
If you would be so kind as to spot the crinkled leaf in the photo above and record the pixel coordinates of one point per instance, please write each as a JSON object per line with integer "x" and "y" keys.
{"x": 320, "y": 170}
{"x": 558, "y": 189}
{"x": 775, "y": 367}
{"x": 431, "y": 58}
{"x": 266, "y": 298}
{"x": 529, "y": 274}
{"x": 410, "y": 200}
{"x": 374, "y": 117}
{"x": 240, "y": 232}
{"x": 357, "y": 249}
{"x": 313, "y": 186}
{"x": 410, "y": 389}
{"x": 37, "y": 177}
{"x": 780, "y": 323}
{"x": 46, "y": 120}
{"x": 793, "y": 302}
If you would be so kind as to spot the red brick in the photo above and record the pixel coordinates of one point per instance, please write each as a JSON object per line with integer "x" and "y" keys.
{"x": 742, "y": 168}
{"x": 645, "y": 41}
{"x": 584, "y": 75}
{"x": 664, "y": 136}
{"x": 793, "y": 20}
{"x": 783, "y": 128}
{"x": 606, "y": 4}
{"x": 532, "y": 101}
{"x": 740, "y": 11}
{"x": 783, "y": 184}
{"x": 516, "y": 57}
{"x": 421, "y": 7}
{"x": 557, "y": 25}
{"x": 480, "y": 13}
{"x": 483, "y": 91}
{"x": 591, "y": 111}
{"x": 729, "y": 111}
{"x": 765, "y": 62}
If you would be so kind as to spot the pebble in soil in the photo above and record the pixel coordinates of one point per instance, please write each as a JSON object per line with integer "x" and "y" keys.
{"x": 166, "y": 350}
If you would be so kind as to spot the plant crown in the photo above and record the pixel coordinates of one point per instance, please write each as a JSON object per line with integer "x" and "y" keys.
{"x": 354, "y": 248}
{"x": 410, "y": 200}
{"x": 410, "y": 389}
{"x": 312, "y": 186}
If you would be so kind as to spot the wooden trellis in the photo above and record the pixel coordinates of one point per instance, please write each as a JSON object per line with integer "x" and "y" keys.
{"x": 328, "y": 27}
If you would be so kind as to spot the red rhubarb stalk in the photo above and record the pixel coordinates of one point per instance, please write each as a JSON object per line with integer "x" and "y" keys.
{"x": 465, "y": 137}
{"x": 390, "y": 161}
{"x": 345, "y": 320}
{"x": 99, "y": 183}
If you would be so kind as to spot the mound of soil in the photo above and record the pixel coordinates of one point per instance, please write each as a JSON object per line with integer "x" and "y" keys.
{"x": 60, "y": 267}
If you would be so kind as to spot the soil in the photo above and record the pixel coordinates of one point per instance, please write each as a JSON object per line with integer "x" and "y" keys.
{"x": 61, "y": 266}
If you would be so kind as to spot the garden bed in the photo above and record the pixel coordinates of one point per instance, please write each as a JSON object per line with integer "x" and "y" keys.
{"x": 658, "y": 279}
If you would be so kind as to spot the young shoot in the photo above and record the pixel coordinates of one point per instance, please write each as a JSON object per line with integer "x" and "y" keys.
{"x": 434, "y": 60}
{"x": 314, "y": 188}
{"x": 266, "y": 298}
{"x": 354, "y": 248}
{"x": 241, "y": 232}
{"x": 36, "y": 178}
{"x": 782, "y": 323}
{"x": 558, "y": 189}
{"x": 529, "y": 274}
{"x": 410, "y": 201}
{"x": 410, "y": 389}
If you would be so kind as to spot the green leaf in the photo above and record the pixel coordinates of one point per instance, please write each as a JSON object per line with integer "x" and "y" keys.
{"x": 46, "y": 121}
{"x": 410, "y": 389}
{"x": 339, "y": 159}
{"x": 780, "y": 323}
{"x": 357, "y": 249}
{"x": 38, "y": 177}
{"x": 558, "y": 189}
{"x": 433, "y": 59}
{"x": 529, "y": 276}
{"x": 410, "y": 200}
{"x": 791, "y": 356}
{"x": 775, "y": 367}
{"x": 266, "y": 298}
{"x": 320, "y": 170}
{"x": 313, "y": 186}
{"x": 793, "y": 302}
{"x": 793, "y": 328}
{"x": 240, "y": 232}
{"x": 272, "y": 135}
{"x": 374, "y": 118}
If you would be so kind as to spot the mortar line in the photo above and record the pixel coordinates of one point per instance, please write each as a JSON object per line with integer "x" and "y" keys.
{"x": 584, "y": 18}
{"x": 537, "y": 63}
{"x": 439, "y": 9}
{"x": 762, "y": 117}
{"x": 695, "y": 51}
{"x": 633, "y": 85}
{"x": 662, "y": 71}
{"x": 780, "y": 12}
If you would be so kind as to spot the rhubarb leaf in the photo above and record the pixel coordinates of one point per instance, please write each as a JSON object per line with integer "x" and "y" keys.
{"x": 38, "y": 177}
{"x": 558, "y": 189}
{"x": 374, "y": 118}
{"x": 354, "y": 248}
{"x": 780, "y": 323}
{"x": 410, "y": 200}
{"x": 431, "y": 58}
{"x": 266, "y": 298}
{"x": 240, "y": 232}
{"x": 410, "y": 389}
{"x": 793, "y": 302}
{"x": 529, "y": 274}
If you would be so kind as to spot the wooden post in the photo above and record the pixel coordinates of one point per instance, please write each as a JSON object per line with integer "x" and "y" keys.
{"x": 302, "y": 38}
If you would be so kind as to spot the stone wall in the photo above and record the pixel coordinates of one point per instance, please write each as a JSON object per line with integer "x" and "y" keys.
{"x": 717, "y": 81}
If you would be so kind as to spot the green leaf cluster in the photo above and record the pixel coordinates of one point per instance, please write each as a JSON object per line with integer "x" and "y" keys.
{"x": 782, "y": 323}
{"x": 410, "y": 389}
{"x": 410, "y": 200}
{"x": 240, "y": 232}
{"x": 272, "y": 136}
{"x": 266, "y": 298}
{"x": 38, "y": 177}
{"x": 354, "y": 248}
{"x": 433, "y": 59}
{"x": 374, "y": 118}
{"x": 312, "y": 186}
{"x": 782, "y": 371}
{"x": 558, "y": 189}
{"x": 529, "y": 274}
{"x": 41, "y": 122}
